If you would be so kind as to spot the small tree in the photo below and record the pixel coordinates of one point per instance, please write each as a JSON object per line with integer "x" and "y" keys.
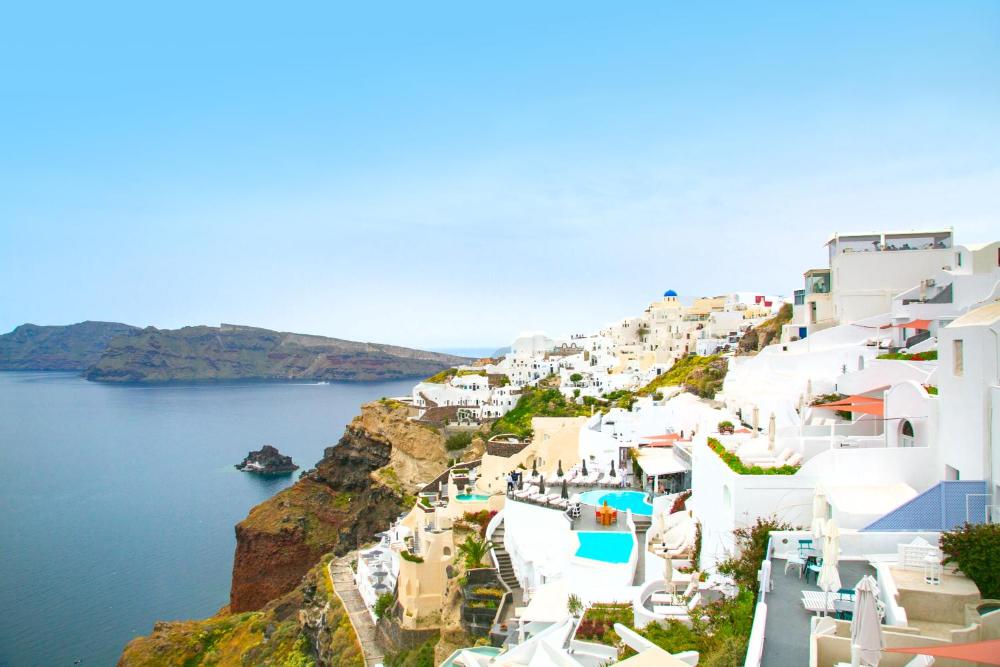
{"x": 474, "y": 551}
{"x": 974, "y": 548}
{"x": 575, "y": 377}
{"x": 574, "y": 605}
{"x": 383, "y": 604}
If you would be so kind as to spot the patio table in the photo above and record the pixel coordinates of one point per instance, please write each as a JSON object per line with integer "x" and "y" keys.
{"x": 606, "y": 515}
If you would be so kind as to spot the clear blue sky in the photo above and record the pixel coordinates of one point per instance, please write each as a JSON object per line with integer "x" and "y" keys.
{"x": 437, "y": 174}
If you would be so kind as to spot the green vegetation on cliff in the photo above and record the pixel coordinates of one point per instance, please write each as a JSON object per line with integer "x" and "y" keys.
{"x": 765, "y": 333}
{"x": 699, "y": 375}
{"x": 536, "y": 403}
{"x": 74, "y": 347}
{"x": 303, "y": 628}
{"x": 230, "y": 352}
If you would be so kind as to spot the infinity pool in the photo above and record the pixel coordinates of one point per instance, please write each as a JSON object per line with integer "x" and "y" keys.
{"x": 608, "y": 547}
{"x": 471, "y": 498}
{"x": 620, "y": 500}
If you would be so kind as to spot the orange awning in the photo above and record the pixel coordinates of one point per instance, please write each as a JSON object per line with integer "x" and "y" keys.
{"x": 985, "y": 653}
{"x": 868, "y": 405}
{"x": 912, "y": 324}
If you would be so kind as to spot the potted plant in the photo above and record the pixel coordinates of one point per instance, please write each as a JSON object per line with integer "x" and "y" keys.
{"x": 726, "y": 427}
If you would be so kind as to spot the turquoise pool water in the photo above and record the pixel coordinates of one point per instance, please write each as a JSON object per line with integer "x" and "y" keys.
{"x": 471, "y": 497}
{"x": 478, "y": 650}
{"x": 620, "y": 500}
{"x": 607, "y": 547}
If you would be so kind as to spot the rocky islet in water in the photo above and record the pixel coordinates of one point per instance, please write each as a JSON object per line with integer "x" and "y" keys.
{"x": 267, "y": 461}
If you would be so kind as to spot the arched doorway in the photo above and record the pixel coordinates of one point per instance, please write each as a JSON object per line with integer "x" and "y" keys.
{"x": 906, "y": 436}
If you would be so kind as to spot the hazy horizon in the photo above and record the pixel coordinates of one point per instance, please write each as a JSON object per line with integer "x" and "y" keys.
{"x": 441, "y": 176}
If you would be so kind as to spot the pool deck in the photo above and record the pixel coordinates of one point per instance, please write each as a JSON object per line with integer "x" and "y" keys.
{"x": 786, "y": 634}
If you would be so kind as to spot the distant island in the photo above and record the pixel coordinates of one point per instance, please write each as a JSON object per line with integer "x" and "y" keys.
{"x": 114, "y": 352}
{"x": 267, "y": 461}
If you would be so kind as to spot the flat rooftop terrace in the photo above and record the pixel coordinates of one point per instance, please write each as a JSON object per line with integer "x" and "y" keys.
{"x": 786, "y": 634}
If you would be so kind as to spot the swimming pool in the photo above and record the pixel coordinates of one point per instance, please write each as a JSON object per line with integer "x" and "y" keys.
{"x": 472, "y": 498}
{"x": 620, "y": 500}
{"x": 608, "y": 547}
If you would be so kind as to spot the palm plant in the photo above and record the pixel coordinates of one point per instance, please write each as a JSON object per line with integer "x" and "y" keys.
{"x": 474, "y": 551}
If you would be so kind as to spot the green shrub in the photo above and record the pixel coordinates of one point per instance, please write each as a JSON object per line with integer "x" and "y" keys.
{"x": 413, "y": 558}
{"x": 383, "y": 604}
{"x": 930, "y": 355}
{"x": 736, "y": 464}
{"x": 751, "y": 547}
{"x": 421, "y": 656}
{"x": 974, "y": 548}
{"x": 575, "y": 377}
{"x": 458, "y": 441}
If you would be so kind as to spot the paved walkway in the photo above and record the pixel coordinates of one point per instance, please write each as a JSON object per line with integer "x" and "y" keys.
{"x": 786, "y": 635}
{"x": 342, "y": 579}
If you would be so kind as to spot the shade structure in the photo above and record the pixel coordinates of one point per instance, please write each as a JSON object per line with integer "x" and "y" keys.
{"x": 868, "y": 405}
{"x": 660, "y": 462}
{"x": 985, "y": 652}
{"x": 866, "y": 625}
{"x": 912, "y": 324}
{"x": 829, "y": 576}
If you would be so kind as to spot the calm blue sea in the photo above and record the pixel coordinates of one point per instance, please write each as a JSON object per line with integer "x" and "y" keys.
{"x": 117, "y": 503}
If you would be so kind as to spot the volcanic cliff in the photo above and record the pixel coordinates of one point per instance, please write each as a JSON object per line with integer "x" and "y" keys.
{"x": 355, "y": 491}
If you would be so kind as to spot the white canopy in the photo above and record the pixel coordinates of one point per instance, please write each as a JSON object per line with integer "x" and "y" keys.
{"x": 548, "y": 603}
{"x": 660, "y": 461}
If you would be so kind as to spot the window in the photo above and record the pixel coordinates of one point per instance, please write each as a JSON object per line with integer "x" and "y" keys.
{"x": 958, "y": 259}
{"x": 958, "y": 363}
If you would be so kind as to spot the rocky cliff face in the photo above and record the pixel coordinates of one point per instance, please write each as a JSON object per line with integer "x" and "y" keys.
{"x": 75, "y": 347}
{"x": 353, "y": 493}
{"x": 231, "y": 352}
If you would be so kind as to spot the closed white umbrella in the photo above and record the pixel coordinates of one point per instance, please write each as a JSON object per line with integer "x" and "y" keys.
{"x": 819, "y": 515}
{"x": 756, "y": 420}
{"x": 866, "y": 625}
{"x": 829, "y": 576}
{"x": 772, "y": 433}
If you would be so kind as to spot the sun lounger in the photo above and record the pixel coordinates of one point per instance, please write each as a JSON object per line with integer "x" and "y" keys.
{"x": 818, "y": 602}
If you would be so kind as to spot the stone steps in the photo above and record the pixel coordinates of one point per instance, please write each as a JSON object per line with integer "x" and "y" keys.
{"x": 342, "y": 580}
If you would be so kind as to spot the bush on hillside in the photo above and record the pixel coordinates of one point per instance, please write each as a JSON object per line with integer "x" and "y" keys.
{"x": 458, "y": 441}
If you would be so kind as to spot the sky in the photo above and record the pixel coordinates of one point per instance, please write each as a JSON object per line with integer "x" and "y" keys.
{"x": 450, "y": 174}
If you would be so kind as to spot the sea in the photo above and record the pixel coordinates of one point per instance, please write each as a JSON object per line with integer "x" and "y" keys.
{"x": 118, "y": 502}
